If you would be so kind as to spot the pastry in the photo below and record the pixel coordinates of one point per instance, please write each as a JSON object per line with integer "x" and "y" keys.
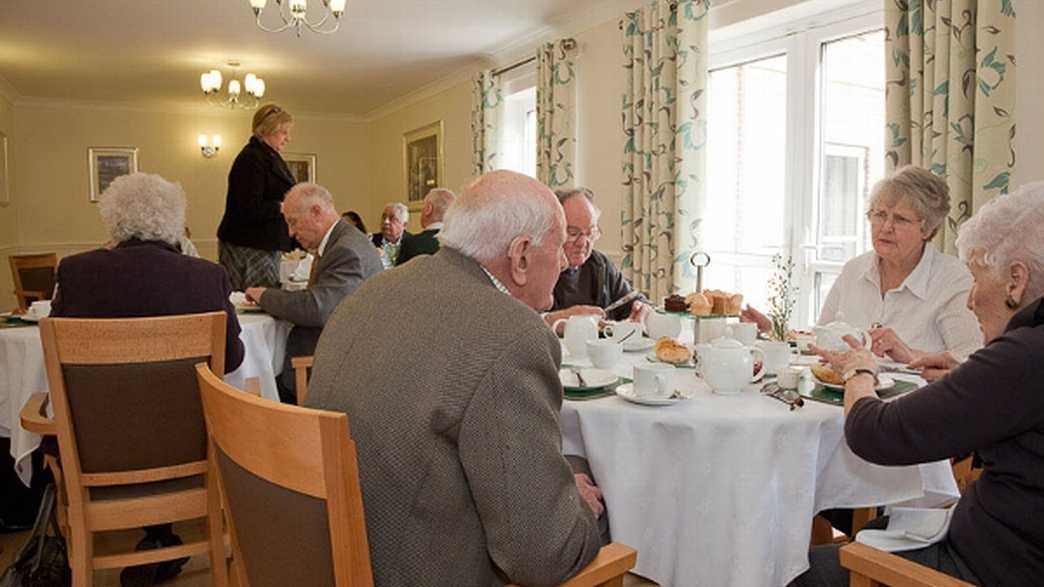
{"x": 733, "y": 302}
{"x": 699, "y": 305}
{"x": 675, "y": 303}
{"x": 671, "y": 351}
{"x": 826, "y": 374}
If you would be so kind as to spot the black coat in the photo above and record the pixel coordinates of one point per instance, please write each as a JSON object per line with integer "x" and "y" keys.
{"x": 422, "y": 243}
{"x": 145, "y": 278}
{"x": 257, "y": 183}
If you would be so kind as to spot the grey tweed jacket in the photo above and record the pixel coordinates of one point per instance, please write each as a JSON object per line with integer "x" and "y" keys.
{"x": 348, "y": 260}
{"x": 452, "y": 391}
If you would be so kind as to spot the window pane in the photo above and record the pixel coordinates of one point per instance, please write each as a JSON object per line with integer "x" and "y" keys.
{"x": 519, "y": 133}
{"x": 851, "y": 144}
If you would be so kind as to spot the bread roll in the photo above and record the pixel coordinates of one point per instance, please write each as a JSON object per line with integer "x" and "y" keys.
{"x": 671, "y": 351}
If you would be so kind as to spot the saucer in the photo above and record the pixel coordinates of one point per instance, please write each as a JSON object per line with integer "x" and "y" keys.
{"x": 30, "y": 317}
{"x": 639, "y": 344}
{"x": 594, "y": 378}
{"x": 626, "y": 391}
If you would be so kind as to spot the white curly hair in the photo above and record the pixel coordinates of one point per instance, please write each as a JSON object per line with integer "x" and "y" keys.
{"x": 1008, "y": 230}
{"x": 143, "y": 206}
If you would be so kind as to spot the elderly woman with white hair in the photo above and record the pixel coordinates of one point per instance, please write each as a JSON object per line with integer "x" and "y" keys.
{"x": 909, "y": 296}
{"x": 253, "y": 233}
{"x": 992, "y": 404}
{"x": 145, "y": 274}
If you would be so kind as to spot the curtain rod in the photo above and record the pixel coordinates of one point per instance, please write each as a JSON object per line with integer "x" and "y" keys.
{"x": 567, "y": 44}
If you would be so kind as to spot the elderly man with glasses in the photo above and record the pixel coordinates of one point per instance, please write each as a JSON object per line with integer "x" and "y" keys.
{"x": 591, "y": 282}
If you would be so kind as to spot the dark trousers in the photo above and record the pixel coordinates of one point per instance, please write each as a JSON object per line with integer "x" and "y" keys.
{"x": 580, "y": 465}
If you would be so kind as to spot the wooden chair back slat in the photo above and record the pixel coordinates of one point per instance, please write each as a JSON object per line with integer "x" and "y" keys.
{"x": 33, "y": 276}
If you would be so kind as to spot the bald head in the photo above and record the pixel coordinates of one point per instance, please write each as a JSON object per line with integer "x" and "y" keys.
{"x": 436, "y": 203}
{"x": 309, "y": 213}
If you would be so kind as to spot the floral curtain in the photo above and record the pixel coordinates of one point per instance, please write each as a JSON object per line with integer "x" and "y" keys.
{"x": 951, "y": 97}
{"x": 665, "y": 127}
{"x": 556, "y": 113}
{"x": 487, "y": 109}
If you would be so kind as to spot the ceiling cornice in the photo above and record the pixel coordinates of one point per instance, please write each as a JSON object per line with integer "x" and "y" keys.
{"x": 169, "y": 108}
{"x": 424, "y": 92}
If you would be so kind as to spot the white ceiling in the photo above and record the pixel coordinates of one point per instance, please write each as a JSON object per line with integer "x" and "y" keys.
{"x": 153, "y": 51}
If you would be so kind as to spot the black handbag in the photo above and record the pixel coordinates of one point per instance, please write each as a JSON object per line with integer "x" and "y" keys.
{"x": 42, "y": 560}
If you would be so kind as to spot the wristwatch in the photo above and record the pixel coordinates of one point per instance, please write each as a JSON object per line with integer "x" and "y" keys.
{"x": 858, "y": 371}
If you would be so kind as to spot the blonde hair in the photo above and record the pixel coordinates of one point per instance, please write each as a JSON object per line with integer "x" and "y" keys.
{"x": 927, "y": 193}
{"x": 269, "y": 118}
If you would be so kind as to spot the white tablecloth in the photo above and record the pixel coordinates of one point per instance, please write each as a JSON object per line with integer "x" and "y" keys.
{"x": 721, "y": 490}
{"x": 21, "y": 357}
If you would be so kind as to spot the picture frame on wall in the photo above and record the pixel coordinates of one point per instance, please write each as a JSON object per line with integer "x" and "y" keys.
{"x": 105, "y": 164}
{"x": 423, "y": 162}
{"x": 5, "y": 173}
{"x": 302, "y": 166}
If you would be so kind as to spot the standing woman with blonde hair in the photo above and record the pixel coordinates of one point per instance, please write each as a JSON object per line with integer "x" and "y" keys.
{"x": 253, "y": 233}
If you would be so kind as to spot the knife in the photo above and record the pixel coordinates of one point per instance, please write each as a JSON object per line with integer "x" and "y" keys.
{"x": 627, "y": 298}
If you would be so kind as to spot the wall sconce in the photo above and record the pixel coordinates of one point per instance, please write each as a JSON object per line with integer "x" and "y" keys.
{"x": 209, "y": 145}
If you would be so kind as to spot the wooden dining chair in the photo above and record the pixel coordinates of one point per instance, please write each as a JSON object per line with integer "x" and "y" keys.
{"x": 131, "y": 434}
{"x": 33, "y": 277}
{"x": 868, "y": 566}
{"x": 288, "y": 471}
{"x": 302, "y": 366}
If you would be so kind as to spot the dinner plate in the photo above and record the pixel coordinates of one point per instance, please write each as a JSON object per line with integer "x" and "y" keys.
{"x": 594, "y": 379}
{"x": 639, "y": 344}
{"x": 690, "y": 364}
{"x": 883, "y": 382}
{"x": 626, "y": 391}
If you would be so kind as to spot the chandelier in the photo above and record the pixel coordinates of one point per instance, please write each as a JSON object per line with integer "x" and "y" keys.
{"x": 238, "y": 95}
{"x": 296, "y": 16}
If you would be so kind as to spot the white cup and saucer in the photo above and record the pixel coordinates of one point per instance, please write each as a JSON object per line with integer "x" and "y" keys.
{"x": 37, "y": 311}
{"x": 656, "y": 384}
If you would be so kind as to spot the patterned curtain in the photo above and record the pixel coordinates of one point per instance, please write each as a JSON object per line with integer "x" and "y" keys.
{"x": 556, "y": 113}
{"x": 951, "y": 97}
{"x": 487, "y": 109}
{"x": 664, "y": 120}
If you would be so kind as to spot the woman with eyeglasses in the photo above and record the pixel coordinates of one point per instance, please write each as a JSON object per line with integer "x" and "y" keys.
{"x": 253, "y": 234}
{"x": 911, "y": 297}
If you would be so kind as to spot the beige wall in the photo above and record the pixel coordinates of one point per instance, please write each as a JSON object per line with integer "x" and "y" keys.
{"x": 8, "y": 219}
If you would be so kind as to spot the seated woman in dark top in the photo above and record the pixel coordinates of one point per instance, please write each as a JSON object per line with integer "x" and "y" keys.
{"x": 992, "y": 404}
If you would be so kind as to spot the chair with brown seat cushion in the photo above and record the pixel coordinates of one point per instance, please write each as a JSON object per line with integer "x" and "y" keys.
{"x": 131, "y": 434}
{"x": 33, "y": 277}
{"x": 290, "y": 478}
{"x": 868, "y": 566}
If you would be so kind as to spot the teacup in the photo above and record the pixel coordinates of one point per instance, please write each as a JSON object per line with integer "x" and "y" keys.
{"x": 40, "y": 309}
{"x": 660, "y": 325}
{"x": 617, "y": 331}
{"x": 605, "y": 353}
{"x": 578, "y": 330}
{"x": 789, "y": 377}
{"x": 777, "y": 354}
{"x": 831, "y": 336}
{"x": 745, "y": 332}
{"x": 653, "y": 380}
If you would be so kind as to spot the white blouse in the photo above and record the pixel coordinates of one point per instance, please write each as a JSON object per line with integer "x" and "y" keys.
{"x": 928, "y": 310}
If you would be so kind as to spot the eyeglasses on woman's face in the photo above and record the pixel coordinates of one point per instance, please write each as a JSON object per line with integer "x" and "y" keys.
{"x": 899, "y": 221}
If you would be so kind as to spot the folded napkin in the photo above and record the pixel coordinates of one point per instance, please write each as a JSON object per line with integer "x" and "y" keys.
{"x": 909, "y": 529}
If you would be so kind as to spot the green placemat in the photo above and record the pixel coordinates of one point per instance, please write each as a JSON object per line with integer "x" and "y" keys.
{"x": 240, "y": 310}
{"x": 15, "y": 322}
{"x": 836, "y": 397}
{"x": 578, "y": 395}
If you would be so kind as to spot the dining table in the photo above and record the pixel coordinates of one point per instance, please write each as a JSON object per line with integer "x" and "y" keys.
{"x": 24, "y": 373}
{"x": 720, "y": 490}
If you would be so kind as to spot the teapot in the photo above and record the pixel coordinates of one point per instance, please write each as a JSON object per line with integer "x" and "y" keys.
{"x": 831, "y": 336}
{"x": 726, "y": 365}
{"x": 578, "y": 330}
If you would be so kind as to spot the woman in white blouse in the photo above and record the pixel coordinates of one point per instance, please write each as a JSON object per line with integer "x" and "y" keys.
{"x": 912, "y": 298}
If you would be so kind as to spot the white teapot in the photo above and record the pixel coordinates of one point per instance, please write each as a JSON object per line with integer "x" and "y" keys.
{"x": 726, "y": 365}
{"x": 578, "y": 330}
{"x": 831, "y": 336}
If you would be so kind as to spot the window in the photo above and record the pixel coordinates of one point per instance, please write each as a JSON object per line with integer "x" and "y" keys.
{"x": 520, "y": 130}
{"x": 795, "y": 142}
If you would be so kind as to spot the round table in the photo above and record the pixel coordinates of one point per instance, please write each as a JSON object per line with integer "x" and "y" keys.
{"x": 23, "y": 374}
{"x": 721, "y": 490}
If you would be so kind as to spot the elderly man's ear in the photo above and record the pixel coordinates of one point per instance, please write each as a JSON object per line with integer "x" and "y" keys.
{"x": 518, "y": 252}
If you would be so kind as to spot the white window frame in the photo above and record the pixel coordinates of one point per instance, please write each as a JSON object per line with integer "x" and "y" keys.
{"x": 801, "y": 40}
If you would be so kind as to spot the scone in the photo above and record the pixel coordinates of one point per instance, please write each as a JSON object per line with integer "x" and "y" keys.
{"x": 826, "y": 374}
{"x": 699, "y": 305}
{"x": 671, "y": 351}
{"x": 733, "y": 303}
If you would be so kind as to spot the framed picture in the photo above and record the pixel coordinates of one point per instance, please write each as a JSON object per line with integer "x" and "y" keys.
{"x": 106, "y": 164}
{"x": 422, "y": 162}
{"x": 302, "y": 166}
{"x": 5, "y": 174}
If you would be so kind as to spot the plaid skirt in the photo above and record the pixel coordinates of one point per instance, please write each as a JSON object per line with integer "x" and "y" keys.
{"x": 248, "y": 267}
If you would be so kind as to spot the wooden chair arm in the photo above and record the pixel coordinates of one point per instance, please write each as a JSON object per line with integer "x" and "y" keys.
{"x": 608, "y": 567}
{"x": 869, "y": 566}
{"x": 34, "y": 416}
{"x": 301, "y": 366}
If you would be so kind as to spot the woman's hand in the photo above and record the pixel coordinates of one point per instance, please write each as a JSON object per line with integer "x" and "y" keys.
{"x": 750, "y": 314}
{"x": 885, "y": 342}
{"x": 934, "y": 365}
{"x": 857, "y": 357}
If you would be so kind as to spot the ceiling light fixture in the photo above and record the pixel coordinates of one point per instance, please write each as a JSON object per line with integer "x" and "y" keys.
{"x": 296, "y": 15}
{"x": 239, "y": 95}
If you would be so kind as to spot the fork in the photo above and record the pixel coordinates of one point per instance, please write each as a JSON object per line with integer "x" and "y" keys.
{"x": 579, "y": 378}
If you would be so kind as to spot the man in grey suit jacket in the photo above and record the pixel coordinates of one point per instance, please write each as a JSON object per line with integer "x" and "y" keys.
{"x": 344, "y": 259}
{"x": 454, "y": 403}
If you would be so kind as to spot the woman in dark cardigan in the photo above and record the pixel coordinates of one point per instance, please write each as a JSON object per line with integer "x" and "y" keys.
{"x": 992, "y": 404}
{"x": 252, "y": 233}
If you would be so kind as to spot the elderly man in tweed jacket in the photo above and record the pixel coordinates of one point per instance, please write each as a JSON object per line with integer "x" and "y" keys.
{"x": 454, "y": 403}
